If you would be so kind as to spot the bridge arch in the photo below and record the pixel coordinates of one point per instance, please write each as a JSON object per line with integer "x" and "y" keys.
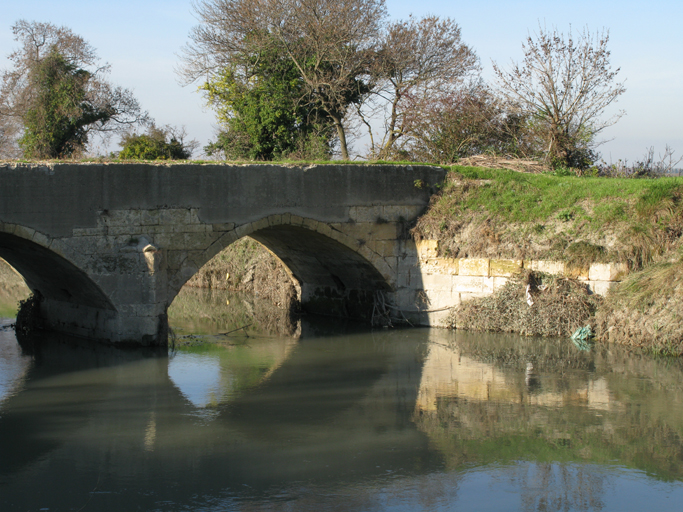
{"x": 45, "y": 270}
{"x": 334, "y": 272}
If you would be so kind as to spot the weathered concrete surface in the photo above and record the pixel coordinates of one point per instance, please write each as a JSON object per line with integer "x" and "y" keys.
{"x": 109, "y": 245}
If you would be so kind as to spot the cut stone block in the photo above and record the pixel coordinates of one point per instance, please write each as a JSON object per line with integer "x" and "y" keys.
{"x": 474, "y": 267}
{"x": 427, "y": 248}
{"x": 548, "y": 267}
{"x": 505, "y": 268}
{"x": 468, "y": 284}
{"x": 607, "y": 271}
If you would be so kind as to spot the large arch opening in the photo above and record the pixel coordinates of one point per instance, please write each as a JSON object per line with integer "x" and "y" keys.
{"x": 53, "y": 276}
{"x": 332, "y": 276}
{"x": 334, "y": 280}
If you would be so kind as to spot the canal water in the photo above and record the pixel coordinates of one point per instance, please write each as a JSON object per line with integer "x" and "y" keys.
{"x": 254, "y": 410}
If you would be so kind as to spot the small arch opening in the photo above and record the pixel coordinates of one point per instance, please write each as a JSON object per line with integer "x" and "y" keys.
{"x": 56, "y": 278}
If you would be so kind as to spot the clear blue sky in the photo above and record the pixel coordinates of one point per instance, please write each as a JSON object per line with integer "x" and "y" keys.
{"x": 141, "y": 41}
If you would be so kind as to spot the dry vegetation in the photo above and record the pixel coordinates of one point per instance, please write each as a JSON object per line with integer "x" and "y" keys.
{"x": 559, "y": 307}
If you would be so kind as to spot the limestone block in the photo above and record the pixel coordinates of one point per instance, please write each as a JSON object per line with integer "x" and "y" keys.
{"x": 468, "y": 284}
{"x": 24, "y": 232}
{"x": 324, "y": 229}
{"x": 295, "y": 220}
{"x": 260, "y": 224}
{"x": 121, "y": 218}
{"x": 548, "y": 267}
{"x": 601, "y": 287}
{"x": 162, "y": 240}
{"x": 311, "y": 224}
{"x": 223, "y": 227}
{"x": 274, "y": 220}
{"x": 405, "y": 298}
{"x": 6, "y": 227}
{"x": 505, "y": 268}
{"x": 190, "y": 241}
{"x": 149, "y": 217}
{"x": 427, "y": 249}
{"x": 464, "y": 297}
{"x": 443, "y": 299}
{"x": 408, "y": 261}
{"x": 41, "y": 239}
{"x": 365, "y": 213}
{"x": 404, "y": 279}
{"x": 436, "y": 282}
{"x": 175, "y": 259}
{"x": 125, "y": 230}
{"x": 474, "y": 267}
{"x": 194, "y": 216}
{"x": 386, "y": 248}
{"x": 192, "y": 228}
{"x": 98, "y": 231}
{"x": 445, "y": 266}
{"x": 395, "y": 213}
{"x": 607, "y": 271}
{"x": 174, "y": 216}
{"x": 391, "y": 261}
{"x": 385, "y": 231}
{"x": 58, "y": 247}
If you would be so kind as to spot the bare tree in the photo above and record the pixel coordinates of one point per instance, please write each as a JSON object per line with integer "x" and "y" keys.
{"x": 97, "y": 104}
{"x": 565, "y": 85}
{"x": 418, "y": 60}
{"x": 331, "y": 42}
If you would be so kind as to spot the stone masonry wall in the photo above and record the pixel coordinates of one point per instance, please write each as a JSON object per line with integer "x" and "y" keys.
{"x": 430, "y": 285}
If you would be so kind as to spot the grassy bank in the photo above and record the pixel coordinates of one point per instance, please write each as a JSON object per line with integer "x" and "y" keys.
{"x": 505, "y": 214}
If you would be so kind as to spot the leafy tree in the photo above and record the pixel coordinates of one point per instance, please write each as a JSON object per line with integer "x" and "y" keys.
{"x": 263, "y": 110}
{"x": 55, "y": 96}
{"x": 329, "y": 42}
{"x": 564, "y": 85}
{"x": 157, "y": 144}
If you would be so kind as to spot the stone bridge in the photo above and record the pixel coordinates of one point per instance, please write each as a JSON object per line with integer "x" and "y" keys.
{"x": 108, "y": 246}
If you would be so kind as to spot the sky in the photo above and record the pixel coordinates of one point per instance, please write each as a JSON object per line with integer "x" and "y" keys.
{"x": 142, "y": 41}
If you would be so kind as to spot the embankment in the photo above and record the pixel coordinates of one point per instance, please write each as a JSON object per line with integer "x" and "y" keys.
{"x": 577, "y": 221}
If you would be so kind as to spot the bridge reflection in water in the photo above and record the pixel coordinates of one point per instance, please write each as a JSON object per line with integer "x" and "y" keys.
{"x": 338, "y": 419}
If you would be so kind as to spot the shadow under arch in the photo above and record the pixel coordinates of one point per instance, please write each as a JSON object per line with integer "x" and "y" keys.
{"x": 56, "y": 278}
{"x": 335, "y": 275}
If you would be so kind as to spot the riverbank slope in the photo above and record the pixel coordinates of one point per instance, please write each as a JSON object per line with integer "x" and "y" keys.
{"x": 487, "y": 213}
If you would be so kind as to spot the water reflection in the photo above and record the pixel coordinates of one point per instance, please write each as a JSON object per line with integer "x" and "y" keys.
{"x": 209, "y": 375}
{"x": 13, "y": 364}
{"x": 340, "y": 419}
